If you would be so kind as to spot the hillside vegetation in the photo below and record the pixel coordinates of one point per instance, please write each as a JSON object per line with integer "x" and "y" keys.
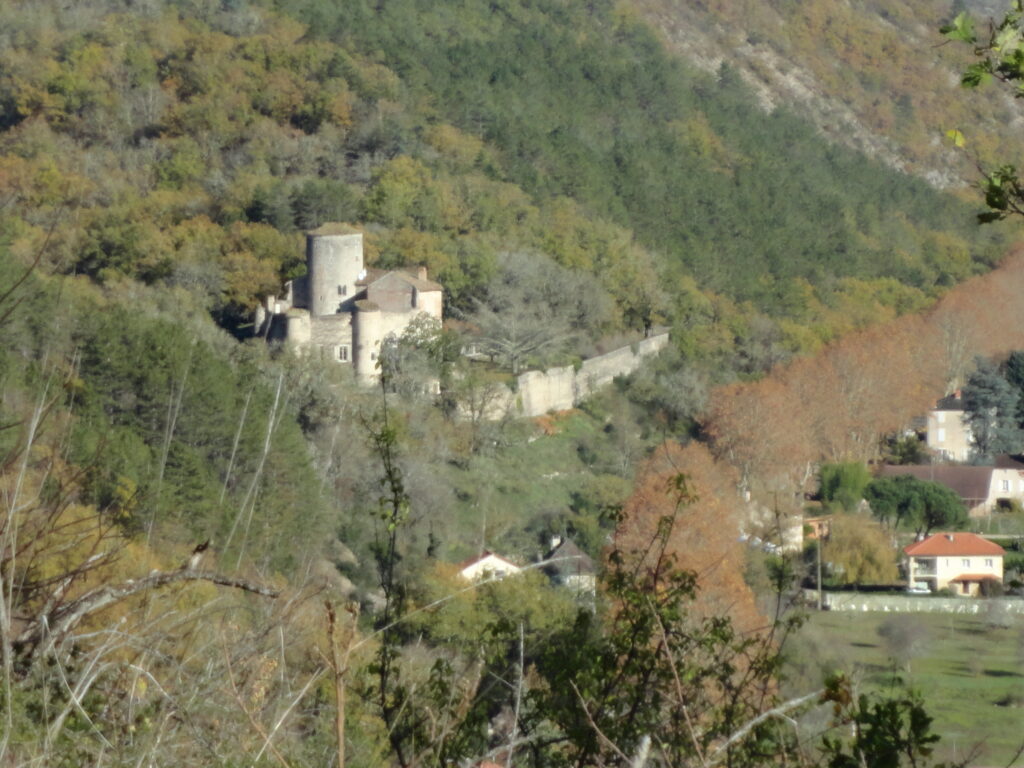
{"x": 202, "y": 535}
{"x": 194, "y": 143}
{"x": 873, "y": 75}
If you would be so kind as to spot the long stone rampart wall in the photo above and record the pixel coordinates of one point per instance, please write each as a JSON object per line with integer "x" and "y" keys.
{"x": 558, "y": 389}
{"x": 855, "y": 601}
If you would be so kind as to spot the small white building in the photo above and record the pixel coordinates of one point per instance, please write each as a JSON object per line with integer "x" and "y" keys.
{"x": 960, "y": 561}
{"x": 487, "y": 565}
{"x": 571, "y": 567}
{"x": 949, "y": 435}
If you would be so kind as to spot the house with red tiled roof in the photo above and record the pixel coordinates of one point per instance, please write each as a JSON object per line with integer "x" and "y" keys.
{"x": 487, "y": 565}
{"x": 960, "y": 561}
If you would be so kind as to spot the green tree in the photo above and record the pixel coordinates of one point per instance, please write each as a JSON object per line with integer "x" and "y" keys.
{"x": 990, "y": 409}
{"x": 844, "y": 483}
{"x": 860, "y": 552}
{"x": 534, "y": 309}
{"x": 920, "y": 504}
{"x": 1013, "y": 370}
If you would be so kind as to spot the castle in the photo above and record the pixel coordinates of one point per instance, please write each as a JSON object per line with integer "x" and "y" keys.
{"x": 344, "y": 310}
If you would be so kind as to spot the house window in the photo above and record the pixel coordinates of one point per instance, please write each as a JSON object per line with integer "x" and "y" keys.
{"x": 1006, "y": 485}
{"x": 941, "y": 417}
{"x": 942, "y": 435}
{"x": 989, "y": 563}
{"x": 966, "y": 562}
{"x": 343, "y": 353}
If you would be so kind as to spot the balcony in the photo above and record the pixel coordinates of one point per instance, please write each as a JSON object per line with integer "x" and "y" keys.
{"x": 920, "y": 568}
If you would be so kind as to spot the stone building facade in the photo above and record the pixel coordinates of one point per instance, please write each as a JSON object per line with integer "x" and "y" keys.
{"x": 343, "y": 310}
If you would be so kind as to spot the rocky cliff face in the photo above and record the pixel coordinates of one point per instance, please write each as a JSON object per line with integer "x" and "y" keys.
{"x": 875, "y": 76}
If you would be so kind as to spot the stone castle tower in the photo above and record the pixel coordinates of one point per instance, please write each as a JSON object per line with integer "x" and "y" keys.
{"x": 342, "y": 310}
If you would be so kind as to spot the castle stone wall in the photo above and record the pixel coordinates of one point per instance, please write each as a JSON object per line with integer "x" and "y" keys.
{"x": 550, "y": 390}
{"x": 559, "y": 389}
{"x": 334, "y": 262}
{"x": 331, "y": 330}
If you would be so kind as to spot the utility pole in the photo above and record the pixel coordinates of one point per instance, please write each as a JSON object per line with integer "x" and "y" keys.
{"x": 821, "y": 543}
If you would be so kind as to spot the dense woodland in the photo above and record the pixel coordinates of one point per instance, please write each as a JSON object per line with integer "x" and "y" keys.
{"x": 158, "y": 164}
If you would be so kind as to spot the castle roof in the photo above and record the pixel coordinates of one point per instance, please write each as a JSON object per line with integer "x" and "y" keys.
{"x": 406, "y": 274}
{"x": 333, "y": 228}
{"x": 953, "y": 545}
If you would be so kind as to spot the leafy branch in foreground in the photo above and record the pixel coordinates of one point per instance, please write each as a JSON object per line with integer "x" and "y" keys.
{"x": 1000, "y": 56}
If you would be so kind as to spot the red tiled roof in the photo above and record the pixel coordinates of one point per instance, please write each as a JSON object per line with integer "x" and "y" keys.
{"x": 953, "y": 545}
{"x": 976, "y": 577}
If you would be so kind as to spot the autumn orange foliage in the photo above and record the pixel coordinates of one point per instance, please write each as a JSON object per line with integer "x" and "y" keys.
{"x": 836, "y": 406}
{"x": 704, "y": 535}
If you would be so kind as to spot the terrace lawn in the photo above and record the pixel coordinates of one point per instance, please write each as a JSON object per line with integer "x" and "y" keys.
{"x": 963, "y": 666}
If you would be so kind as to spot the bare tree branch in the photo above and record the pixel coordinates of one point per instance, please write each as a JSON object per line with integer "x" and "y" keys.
{"x": 46, "y": 630}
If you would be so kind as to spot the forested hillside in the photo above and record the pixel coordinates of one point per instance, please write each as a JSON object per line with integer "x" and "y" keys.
{"x": 194, "y": 142}
{"x": 871, "y": 75}
{"x": 202, "y": 534}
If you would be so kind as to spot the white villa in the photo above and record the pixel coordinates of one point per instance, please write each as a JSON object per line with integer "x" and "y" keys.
{"x": 960, "y": 561}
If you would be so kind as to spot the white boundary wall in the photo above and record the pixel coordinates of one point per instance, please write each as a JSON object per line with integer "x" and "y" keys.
{"x": 854, "y": 601}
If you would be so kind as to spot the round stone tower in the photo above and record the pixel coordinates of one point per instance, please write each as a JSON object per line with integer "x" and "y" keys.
{"x": 366, "y": 336}
{"x": 334, "y": 261}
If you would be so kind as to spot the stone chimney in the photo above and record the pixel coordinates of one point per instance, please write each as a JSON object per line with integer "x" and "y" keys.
{"x": 421, "y": 273}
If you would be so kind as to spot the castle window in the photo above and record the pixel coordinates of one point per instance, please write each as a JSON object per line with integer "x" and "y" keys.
{"x": 343, "y": 353}
{"x": 342, "y": 290}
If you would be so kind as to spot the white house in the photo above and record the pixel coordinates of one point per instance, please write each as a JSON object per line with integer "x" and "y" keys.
{"x": 487, "y": 565}
{"x": 960, "y": 561}
{"x": 949, "y": 435}
{"x": 569, "y": 566}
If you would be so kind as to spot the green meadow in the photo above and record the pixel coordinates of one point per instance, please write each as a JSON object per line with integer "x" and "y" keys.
{"x": 970, "y": 670}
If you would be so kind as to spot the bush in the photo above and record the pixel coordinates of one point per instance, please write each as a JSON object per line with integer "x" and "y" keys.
{"x": 991, "y": 588}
